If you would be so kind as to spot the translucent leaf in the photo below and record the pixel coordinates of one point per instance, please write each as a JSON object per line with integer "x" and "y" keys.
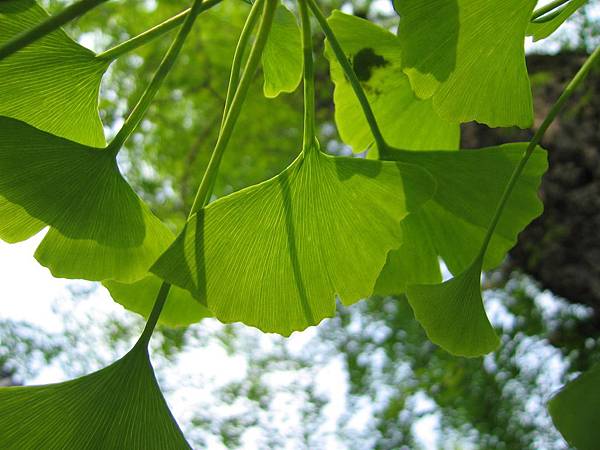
{"x": 275, "y": 255}
{"x": 53, "y": 83}
{"x": 180, "y": 308}
{"x": 574, "y": 410}
{"x": 542, "y": 28}
{"x": 453, "y": 315}
{"x": 120, "y": 406}
{"x": 452, "y": 225}
{"x": 405, "y": 121}
{"x": 99, "y": 228}
{"x": 282, "y": 56}
{"x": 468, "y": 55}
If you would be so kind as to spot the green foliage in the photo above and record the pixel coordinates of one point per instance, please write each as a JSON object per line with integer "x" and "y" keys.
{"x": 53, "y": 83}
{"x": 468, "y": 55}
{"x": 453, "y": 315}
{"x": 406, "y": 121}
{"x": 120, "y": 406}
{"x": 180, "y": 308}
{"x": 99, "y": 228}
{"x": 322, "y": 227}
{"x": 454, "y": 222}
{"x": 282, "y": 57}
{"x": 275, "y": 254}
{"x": 574, "y": 410}
{"x": 544, "y": 26}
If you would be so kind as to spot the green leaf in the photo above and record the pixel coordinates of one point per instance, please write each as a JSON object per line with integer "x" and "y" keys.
{"x": 180, "y": 308}
{"x": 275, "y": 255}
{"x": 544, "y": 26}
{"x": 120, "y": 406}
{"x": 99, "y": 228}
{"x": 468, "y": 55}
{"x": 452, "y": 225}
{"x": 453, "y": 315}
{"x": 282, "y": 56}
{"x": 405, "y": 121}
{"x": 574, "y": 410}
{"x": 53, "y": 83}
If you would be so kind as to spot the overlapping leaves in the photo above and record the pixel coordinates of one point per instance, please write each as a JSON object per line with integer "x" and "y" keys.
{"x": 53, "y": 83}
{"x": 406, "y": 121}
{"x": 544, "y": 26}
{"x": 99, "y": 228}
{"x": 468, "y": 56}
{"x": 275, "y": 255}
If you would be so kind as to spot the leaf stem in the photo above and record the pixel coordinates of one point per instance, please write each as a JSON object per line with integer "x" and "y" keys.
{"x": 47, "y": 26}
{"x": 238, "y": 97}
{"x": 206, "y": 186}
{"x": 159, "y": 303}
{"x": 547, "y": 8}
{"x": 309, "y": 79}
{"x": 238, "y": 56}
{"x": 566, "y": 94}
{"x": 166, "y": 64}
{"x": 351, "y": 75}
{"x": 147, "y": 36}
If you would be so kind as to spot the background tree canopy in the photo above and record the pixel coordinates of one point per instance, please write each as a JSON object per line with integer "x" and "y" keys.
{"x": 544, "y": 301}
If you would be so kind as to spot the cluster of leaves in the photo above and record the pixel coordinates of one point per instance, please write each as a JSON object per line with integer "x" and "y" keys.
{"x": 276, "y": 255}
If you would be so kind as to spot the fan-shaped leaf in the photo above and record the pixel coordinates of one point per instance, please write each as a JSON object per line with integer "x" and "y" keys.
{"x": 574, "y": 410}
{"x": 405, "y": 121}
{"x": 453, "y": 315}
{"x": 120, "y": 406}
{"x": 180, "y": 308}
{"x": 276, "y": 254}
{"x": 543, "y": 27}
{"x": 453, "y": 223}
{"x": 469, "y": 55}
{"x": 99, "y": 228}
{"x": 53, "y": 83}
{"x": 282, "y": 56}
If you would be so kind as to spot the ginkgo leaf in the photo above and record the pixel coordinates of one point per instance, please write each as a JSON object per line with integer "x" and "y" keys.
{"x": 574, "y": 410}
{"x": 180, "y": 307}
{"x": 99, "y": 228}
{"x": 453, "y": 315}
{"x": 452, "y": 225}
{"x": 405, "y": 121}
{"x": 468, "y": 55}
{"x": 275, "y": 255}
{"x": 120, "y": 406}
{"x": 282, "y": 56}
{"x": 53, "y": 83}
{"x": 543, "y": 27}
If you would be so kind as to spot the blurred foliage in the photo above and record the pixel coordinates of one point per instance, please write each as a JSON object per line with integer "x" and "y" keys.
{"x": 391, "y": 376}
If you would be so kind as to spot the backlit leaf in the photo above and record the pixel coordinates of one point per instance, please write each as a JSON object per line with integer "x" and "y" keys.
{"x": 543, "y": 27}
{"x": 405, "y": 121}
{"x": 453, "y": 223}
{"x": 275, "y": 255}
{"x": 574, "y": 410}
{"x": 120, "y": 406}
{"x": 453, "y": 315}
{"x": 53, "y": 83}
{"x": 180, "y": 308}
{"x": 99, "y": 228}
{"x": 282, "y": 56}
{"x": 468, "y": 55}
